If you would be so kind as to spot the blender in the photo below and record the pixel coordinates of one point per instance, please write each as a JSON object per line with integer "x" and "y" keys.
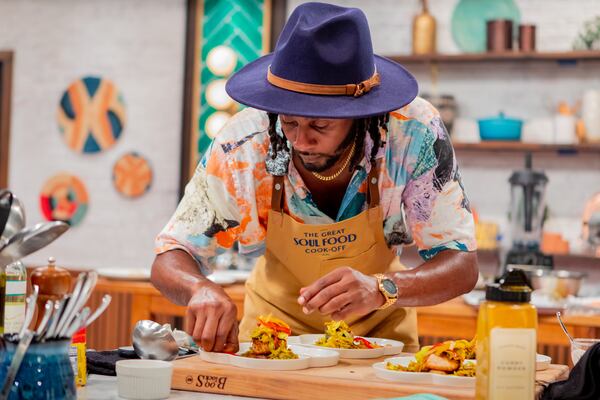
{"x": 527, "y": 207}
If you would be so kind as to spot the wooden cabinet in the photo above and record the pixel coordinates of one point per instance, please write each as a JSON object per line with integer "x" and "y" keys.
{"x": 134, "y": 301}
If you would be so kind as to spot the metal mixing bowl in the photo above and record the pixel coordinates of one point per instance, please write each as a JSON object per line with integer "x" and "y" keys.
{"x": 558, "y": 284}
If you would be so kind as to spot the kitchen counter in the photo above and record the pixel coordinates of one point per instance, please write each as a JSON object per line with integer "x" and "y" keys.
{"x": 105, "y": 387}
{"x": 101, "y": 387}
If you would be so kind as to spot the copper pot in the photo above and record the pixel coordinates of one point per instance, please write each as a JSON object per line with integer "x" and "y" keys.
{"x": 527, "y": 37}
{"x": 499, "y": 35}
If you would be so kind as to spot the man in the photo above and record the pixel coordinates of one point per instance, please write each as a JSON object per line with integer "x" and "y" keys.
{"x": 321, "y": 177}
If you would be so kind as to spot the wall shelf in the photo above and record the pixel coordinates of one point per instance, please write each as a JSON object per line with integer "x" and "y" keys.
{"x": 528, "y": 147}
{"x": 569, "y": 56}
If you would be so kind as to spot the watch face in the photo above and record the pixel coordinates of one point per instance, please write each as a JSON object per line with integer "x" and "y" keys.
{"x": 389, "y": 286}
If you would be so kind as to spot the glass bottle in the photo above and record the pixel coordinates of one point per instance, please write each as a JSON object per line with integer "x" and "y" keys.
{"x": 15, "y": 293}
{"x": 506, "y": 340}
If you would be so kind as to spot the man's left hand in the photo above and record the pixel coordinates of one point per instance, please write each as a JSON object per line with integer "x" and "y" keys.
{"x": 342, "y": 292}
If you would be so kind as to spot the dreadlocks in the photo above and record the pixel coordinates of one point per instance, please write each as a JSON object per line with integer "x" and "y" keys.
{"x": 359, "y": 130}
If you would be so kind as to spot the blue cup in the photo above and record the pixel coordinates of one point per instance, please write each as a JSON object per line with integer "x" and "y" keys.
{"x": 45, "y": 374}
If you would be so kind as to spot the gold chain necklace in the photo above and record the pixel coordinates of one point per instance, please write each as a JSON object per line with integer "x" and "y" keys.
{"x": 335, "y": 175}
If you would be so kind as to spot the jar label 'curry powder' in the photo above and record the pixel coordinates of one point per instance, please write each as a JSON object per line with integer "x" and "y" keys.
{"x": 512, "y": 363}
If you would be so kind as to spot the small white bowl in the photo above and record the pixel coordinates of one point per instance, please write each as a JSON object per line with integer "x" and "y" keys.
{"x": 144, "y": 379}
{"x": 542, "y": 362}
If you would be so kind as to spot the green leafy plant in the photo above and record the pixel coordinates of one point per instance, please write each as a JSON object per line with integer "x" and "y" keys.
{"x": 589, "y": 37}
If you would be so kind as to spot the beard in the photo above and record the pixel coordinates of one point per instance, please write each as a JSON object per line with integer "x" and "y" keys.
{"x": 319, "y": 162}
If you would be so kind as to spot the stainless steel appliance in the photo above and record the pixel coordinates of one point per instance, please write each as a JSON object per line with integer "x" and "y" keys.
{"x": 527, "y": 207}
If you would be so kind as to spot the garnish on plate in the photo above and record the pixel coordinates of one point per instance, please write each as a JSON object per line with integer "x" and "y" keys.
{"x": 269, "y": 340}
{"x": 338, "y": 335}
{"x": 449, "y": 358}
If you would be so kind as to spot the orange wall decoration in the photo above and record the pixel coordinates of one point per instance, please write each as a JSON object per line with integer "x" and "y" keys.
{"x": 132, "y": 175}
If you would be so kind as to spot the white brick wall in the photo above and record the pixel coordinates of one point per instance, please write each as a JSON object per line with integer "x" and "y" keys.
{"x": 524, "y": 90}
{"x": 558, "y": 21}
{"x": 139, "y": 45}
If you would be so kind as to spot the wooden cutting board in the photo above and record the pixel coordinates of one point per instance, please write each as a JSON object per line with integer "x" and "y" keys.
{"x": 350, "y": 379}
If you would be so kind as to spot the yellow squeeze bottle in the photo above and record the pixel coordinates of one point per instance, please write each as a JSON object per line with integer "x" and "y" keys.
{"x": 506, "y": 340}
{"x": 78, "y": 358}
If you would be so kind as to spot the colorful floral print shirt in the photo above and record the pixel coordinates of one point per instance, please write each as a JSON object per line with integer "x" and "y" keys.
{"x": 228, "y": 198}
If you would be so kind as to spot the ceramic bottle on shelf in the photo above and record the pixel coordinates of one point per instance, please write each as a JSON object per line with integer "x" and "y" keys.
{"x": 564, "y": 125}
{"x": 424, "y": 32}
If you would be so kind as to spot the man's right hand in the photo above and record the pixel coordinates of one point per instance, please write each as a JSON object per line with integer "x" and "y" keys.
{"x": 212, "y": 319}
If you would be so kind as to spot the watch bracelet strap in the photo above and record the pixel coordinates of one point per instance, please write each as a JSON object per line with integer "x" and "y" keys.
{"x": 388, "y": 301}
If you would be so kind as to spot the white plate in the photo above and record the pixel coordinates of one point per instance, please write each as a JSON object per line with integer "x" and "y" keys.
{"x": 221, "y": 280}
{"x": 129, "y": 274}
{"x": 390, "y": 347}
{"x": 420, "y": 377}
{"x": 229, "y": 276}
{"x": 308, "y": 358}
{"x": 542, "y": 362}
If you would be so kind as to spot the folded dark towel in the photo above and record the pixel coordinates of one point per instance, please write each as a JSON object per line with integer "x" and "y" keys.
{"x": 583, "y": 382}
{"x": 103, "y": 362}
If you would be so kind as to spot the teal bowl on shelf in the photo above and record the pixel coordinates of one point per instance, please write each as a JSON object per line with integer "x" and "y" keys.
{"x": 500, "y": 128}
{"x": 469, "y": 18}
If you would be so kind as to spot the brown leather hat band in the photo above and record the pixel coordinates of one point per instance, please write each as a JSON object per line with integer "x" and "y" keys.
{"x": 352, "y": 89}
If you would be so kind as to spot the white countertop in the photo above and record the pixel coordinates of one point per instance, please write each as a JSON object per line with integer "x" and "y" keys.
{"x": 101, "y": 387}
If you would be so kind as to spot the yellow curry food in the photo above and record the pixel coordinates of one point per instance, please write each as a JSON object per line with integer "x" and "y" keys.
{"x": 449, "y": 357}
{"x": 269, "y": 340}
{"x": 338, "y": 335}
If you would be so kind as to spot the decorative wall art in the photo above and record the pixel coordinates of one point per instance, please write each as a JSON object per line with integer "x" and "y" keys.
{"x": 91, "y": 115}
{"x": 469, "y": 21}
{"x": 223, "y": 36}
{"x": 64, "y": 198}
{"x": 132, "y": 175}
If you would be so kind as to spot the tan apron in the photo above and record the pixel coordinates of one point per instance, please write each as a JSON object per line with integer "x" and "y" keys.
{"x": 298, "y": 254}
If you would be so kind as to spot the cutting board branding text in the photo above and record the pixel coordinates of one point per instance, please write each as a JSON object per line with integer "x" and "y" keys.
{"x": 207, "y": 381}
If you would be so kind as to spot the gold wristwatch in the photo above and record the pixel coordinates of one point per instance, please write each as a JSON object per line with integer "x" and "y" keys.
{"x": 388, "y": 289}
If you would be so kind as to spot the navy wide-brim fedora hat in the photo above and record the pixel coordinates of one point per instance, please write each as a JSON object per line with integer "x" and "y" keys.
{"x": 323, "y": 66}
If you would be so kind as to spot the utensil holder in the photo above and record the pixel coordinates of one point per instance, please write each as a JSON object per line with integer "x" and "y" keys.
{"x": 45, "y": 373}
